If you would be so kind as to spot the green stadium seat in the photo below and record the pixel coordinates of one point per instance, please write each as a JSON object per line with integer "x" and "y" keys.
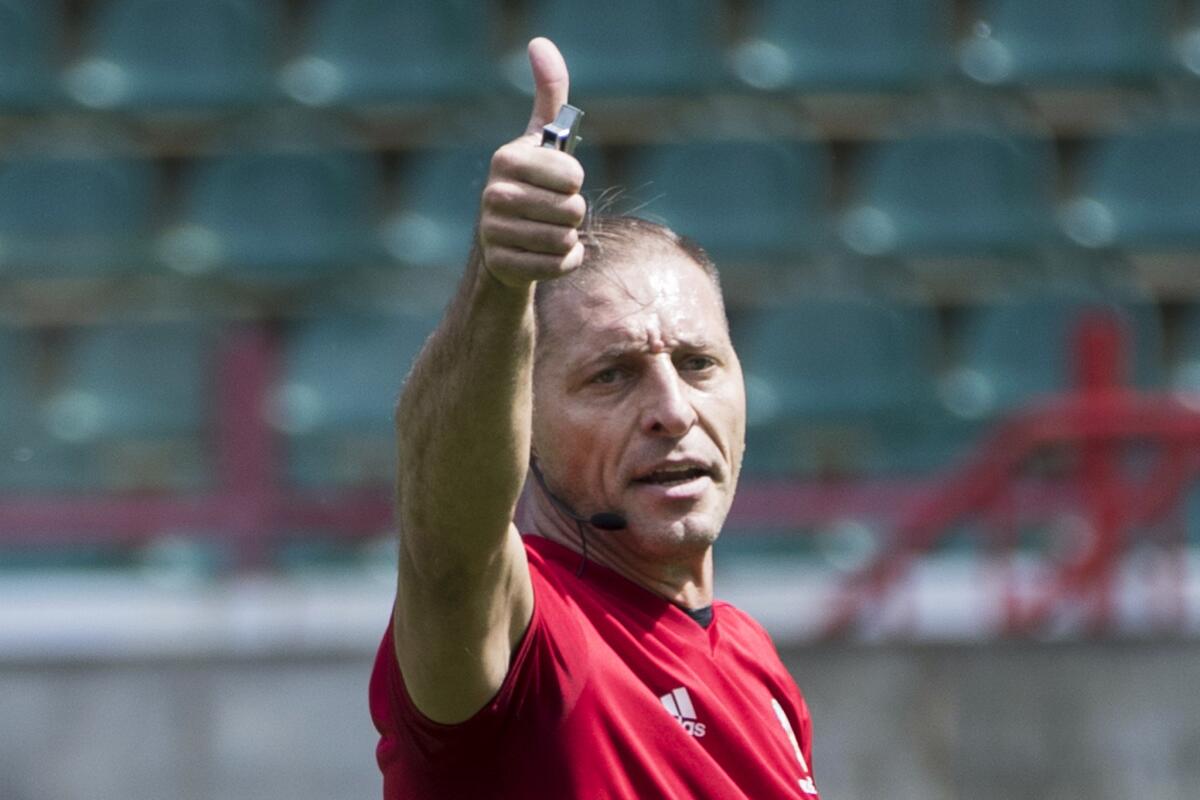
{"x": 631, "y": 46}
{"x": 74, "y": 215}
{"x": 871, "y": 45}
{"x": 372, "y": 51}
{"x": 30, "y": 459}
{"x": 1185, "y": 364}
{"x": 19, "y": 357}
{"x": 957, "y": 191}
{"x": 1139, "y": 190}
{"x": 134, "y": 402}
{"x": 336, "y": 399}
{"x": 275, "y": 216}
{"x": 838, "y": 386}
{"x": 1015, "y": 351}
{"x": 28, "y": 53}
{"x": 437, "y": 202}
{"x": 1187, "y": 39}
{"x": 176, "y": 54}
{"x": 778, "y": 190}
{"x": 1068, "y": 42}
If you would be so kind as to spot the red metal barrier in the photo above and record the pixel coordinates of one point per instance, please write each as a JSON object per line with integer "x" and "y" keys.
{"x": 252, "y": 506}
{"x": 1094, "y": 421}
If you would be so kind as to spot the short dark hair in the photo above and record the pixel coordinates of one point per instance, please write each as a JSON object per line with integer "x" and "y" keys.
{"x": 612, "y": 238}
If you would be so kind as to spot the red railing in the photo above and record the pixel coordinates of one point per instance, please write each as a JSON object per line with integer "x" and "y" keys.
{"x": 1095, "y": 421}
{"x": 252, "y": 506}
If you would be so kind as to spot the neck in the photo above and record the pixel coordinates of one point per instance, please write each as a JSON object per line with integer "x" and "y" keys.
{"x": 685, "y": 580}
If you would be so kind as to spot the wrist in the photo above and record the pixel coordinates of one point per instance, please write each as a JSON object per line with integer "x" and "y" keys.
{"x": 491, "y": 285}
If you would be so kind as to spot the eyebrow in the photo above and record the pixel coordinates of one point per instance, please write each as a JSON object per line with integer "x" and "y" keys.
{"x": 617, "y": 351}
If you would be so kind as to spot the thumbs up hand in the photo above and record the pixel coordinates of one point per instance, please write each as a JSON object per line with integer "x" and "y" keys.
{"x": 532, "y": 209}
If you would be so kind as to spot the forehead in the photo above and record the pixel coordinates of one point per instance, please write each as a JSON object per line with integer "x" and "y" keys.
{"x": 662, "y": 299}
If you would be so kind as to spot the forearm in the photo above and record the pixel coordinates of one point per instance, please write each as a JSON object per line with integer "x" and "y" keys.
{"x": 463, "y": 426}
{"x": 465, "y": 597}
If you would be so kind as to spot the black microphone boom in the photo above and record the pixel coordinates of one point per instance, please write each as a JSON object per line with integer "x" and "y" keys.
{"x": 608, "y": 521}
{"x": 602, "y": 520}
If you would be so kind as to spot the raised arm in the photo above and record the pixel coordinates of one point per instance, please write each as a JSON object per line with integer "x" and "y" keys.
{"x": 464, "y": 597}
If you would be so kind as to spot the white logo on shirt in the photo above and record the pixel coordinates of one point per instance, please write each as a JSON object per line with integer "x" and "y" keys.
{"x": 678, "y": 704}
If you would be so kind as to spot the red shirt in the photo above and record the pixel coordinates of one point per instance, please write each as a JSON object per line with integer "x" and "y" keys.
{"x": 612, "y": 693}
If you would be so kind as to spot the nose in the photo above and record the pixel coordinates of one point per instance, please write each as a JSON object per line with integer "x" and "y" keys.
{"x": 667, "y": 409}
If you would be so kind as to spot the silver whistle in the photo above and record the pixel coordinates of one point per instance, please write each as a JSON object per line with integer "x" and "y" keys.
{"x": 563, "y": 133}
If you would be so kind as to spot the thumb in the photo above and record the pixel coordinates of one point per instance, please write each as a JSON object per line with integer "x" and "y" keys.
{"x": 550, "y": 83}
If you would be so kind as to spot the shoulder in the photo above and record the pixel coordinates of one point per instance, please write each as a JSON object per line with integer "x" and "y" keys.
{"x": 737, "y": 620}
{"x": 554, "y": 638}
{"x": 547, "y": 565}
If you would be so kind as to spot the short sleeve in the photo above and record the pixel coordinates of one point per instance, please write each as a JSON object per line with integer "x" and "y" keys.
{"x": 544, "y": 679}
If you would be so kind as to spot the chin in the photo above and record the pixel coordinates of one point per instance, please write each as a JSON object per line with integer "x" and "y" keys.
{"x": 670, "y": 538}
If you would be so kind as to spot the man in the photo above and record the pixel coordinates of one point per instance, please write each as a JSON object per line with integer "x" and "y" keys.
{"x": 588, "y": 660}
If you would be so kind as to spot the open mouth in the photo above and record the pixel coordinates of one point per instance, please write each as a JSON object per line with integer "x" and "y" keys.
{"x": 674, "y": 476}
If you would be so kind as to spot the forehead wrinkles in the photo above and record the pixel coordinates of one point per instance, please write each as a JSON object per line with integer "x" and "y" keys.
{"x": 629, "y": 305}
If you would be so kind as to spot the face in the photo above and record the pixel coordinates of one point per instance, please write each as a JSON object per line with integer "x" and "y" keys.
{"x": 639, "y": 404}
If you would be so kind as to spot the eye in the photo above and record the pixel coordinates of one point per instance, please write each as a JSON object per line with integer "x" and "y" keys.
{"x": 610, "y": 375}
{"x": 698, "y": 363}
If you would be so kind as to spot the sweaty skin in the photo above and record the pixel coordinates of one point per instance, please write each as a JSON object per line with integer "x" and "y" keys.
{"x": 636, "y": 373}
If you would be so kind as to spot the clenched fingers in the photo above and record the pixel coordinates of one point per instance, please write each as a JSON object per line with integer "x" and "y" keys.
{"x": 509, "y": 198}
{"x": 517, "y": 267}
{"x": 533, "y": 237}
{"x": 537, "y": 166}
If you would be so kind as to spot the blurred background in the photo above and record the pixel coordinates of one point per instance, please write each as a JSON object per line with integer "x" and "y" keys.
{"x": 960, "y": 241}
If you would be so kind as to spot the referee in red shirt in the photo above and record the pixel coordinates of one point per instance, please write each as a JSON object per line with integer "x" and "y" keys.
{"x": 587, "y": 658}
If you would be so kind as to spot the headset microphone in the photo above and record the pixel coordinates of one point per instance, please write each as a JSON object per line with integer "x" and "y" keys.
{"x": 603, "y": 520}
{"x": 608, "y": 521}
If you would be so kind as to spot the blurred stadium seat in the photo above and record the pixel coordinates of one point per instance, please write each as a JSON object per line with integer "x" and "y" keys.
{"x": 955, "y": 191}
{"x": 75, "y": 215}
{"x": 133, "y": 403}
{"x": 371, "y": 51}
{"x": 779, "y": 191}
{"x": 1067, "y": 41}
{"x": 176, "y": 54}
{"x": 437, "y": 201}
{"x": 855, "y": 44}
{"x": 1139, "y": 190}
{"x": 30, "y": 459}
{"x": 631, "y": 46}
{"x": 336, "y": 400}
{"x": 275, "y": 216}
{"x": 1014, "y": 351}
{"x": 1185, "y": 363}
{"x": 837, "y": 386}
{"x": 29, "y": 47}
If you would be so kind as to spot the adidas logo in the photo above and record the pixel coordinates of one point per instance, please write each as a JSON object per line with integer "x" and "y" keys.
{"x": 678, "y": 704}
